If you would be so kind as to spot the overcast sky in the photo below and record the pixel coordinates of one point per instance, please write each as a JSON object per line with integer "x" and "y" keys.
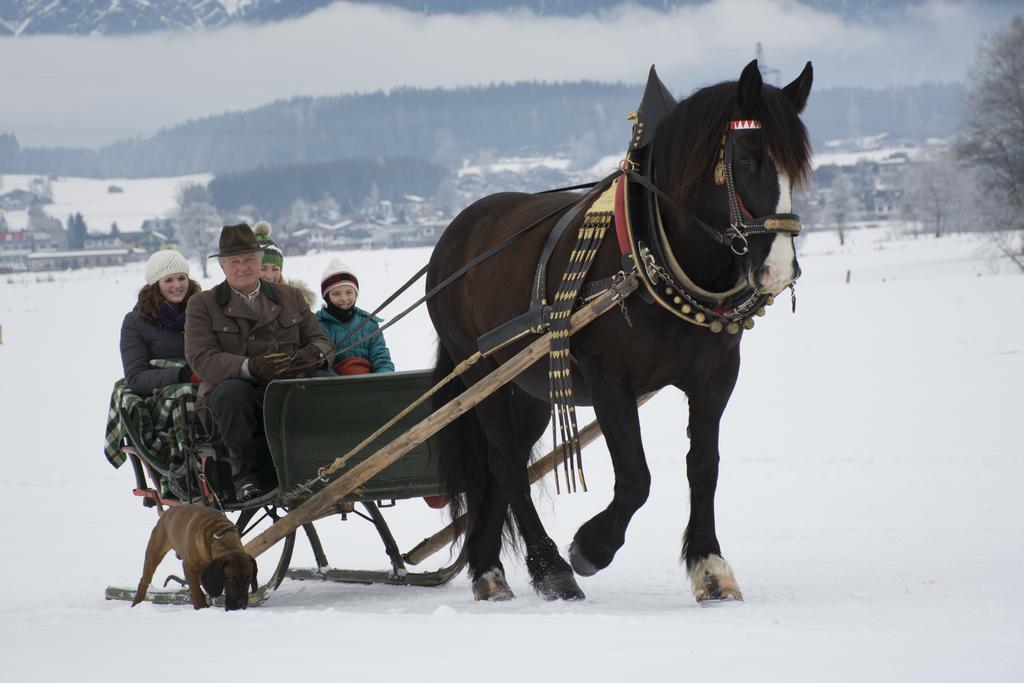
{"x": 84, "y": 91}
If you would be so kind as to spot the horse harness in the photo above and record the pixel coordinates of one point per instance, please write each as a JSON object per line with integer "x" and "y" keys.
{"x": 630, "y": 201}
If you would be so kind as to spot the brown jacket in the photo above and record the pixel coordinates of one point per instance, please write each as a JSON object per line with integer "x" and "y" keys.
{"x": 221, "y": 331}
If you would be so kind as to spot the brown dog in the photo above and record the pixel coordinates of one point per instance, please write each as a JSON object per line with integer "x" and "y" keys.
{"x": 210, "y": 550}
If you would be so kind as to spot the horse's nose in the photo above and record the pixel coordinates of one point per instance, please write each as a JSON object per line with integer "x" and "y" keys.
{"x": 768, "y": 274}
{"x": 773, "y": 280}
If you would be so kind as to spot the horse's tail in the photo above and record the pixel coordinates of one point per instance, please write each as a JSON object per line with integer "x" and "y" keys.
{"x": 460, "y": 449}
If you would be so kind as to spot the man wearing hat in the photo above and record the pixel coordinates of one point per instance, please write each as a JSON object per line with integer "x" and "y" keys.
{"x": 239, "y": 336}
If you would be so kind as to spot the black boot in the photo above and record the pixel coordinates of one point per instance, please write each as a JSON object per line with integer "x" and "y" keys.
{"x": 243, "y": 474}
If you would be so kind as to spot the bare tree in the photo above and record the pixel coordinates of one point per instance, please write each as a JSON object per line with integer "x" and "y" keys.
{"x": 937, "y": 194}
{"x": 196, "y": 226}
{"x": 840, "y": 204}
{"x": 196, "y": 221}
{"x": 993, "y": 141}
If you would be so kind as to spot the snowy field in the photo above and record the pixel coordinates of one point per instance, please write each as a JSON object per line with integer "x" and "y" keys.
{"x": 140, "y": 199}
{"x": 869, "y": 502}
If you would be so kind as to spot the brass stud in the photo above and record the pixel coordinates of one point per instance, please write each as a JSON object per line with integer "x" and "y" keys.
{"x": 771, "y": 299}
{"x": 748, "y": 324}
{"x": 732, "y": 328}
{"x": 715, "y": 327}
{"x": 677, "y": 300}
{"x": 759, "y": 312}
{"x": 669, "y": 291}
{"x": 699, "y": 317}
{"x": 686, "y": 308}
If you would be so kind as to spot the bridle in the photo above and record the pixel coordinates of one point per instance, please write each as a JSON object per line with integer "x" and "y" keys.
{"x": 644, "y": 243}
{"x": 741, "y": 224}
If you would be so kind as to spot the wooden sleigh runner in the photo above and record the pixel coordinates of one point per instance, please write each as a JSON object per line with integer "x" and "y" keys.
{"x": 305, "y": 434}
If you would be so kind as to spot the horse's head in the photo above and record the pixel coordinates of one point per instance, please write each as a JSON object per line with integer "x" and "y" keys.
{"x": 729, "y": 156}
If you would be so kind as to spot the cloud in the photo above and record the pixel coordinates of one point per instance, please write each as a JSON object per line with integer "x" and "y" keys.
{"x": 59, "y": 90}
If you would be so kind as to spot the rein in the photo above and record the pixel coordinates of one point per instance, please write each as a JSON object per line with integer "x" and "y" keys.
{"x": 454, "y": 276}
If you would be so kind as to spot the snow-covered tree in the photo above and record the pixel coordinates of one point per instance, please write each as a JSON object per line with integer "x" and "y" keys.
{"x": 993, "y": 141}
{"x": 840, "y": 204}
{"x": 937, "y": 194}
{"x": 197, "y": 225}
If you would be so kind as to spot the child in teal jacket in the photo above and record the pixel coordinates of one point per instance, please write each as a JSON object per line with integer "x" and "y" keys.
{"x": 340, "y": 319}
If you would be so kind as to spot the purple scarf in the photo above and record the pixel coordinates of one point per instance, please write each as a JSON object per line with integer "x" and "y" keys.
{"x": 170, "y": 317}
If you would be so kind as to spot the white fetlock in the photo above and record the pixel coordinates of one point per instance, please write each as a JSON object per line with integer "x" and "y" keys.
{"x": 712, "y": 579}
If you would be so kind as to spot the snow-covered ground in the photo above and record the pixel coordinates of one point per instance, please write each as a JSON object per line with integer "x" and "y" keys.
{"x": 869, "y": 502}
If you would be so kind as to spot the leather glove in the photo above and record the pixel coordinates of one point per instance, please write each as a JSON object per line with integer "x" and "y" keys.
{"x": 269, "y": 366}
{"x": 306, "y": 361}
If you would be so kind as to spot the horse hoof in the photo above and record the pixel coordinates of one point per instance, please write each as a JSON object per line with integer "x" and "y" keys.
{"x": 491, "y": 585}
{"x": 713, "y": 581}
{"x": 580, "y": 564}
{"x": 559, "y": 587}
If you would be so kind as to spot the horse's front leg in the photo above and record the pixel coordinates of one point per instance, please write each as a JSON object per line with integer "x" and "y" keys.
{"x": 597, "y": 541}
{"x": 711, "y": 576}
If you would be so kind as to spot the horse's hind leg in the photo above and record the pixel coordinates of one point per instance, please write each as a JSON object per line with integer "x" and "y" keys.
{"x": 513, "y": 422}
{"x": 484, "y": 543}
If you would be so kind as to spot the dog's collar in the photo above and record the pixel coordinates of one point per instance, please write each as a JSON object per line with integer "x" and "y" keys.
{"x": 223, "y": 530}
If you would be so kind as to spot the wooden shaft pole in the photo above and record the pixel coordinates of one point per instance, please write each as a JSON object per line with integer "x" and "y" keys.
{"x": 537, "y": 471}
{"x": 323, "y": 501}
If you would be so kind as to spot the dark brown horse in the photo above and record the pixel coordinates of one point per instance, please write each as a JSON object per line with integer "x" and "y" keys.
{"x": 621, "y": 357}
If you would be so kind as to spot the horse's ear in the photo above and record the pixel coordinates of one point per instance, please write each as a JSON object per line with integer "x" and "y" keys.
{"x": 798, "y": 91}
{"x": 748, "y": 93}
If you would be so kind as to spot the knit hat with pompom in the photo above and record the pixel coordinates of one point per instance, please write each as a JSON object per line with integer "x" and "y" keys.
{"x": 336, "y": 275}
{"x": 271, "y": 252}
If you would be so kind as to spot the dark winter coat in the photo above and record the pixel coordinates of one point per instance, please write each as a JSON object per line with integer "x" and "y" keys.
{"x": 142, "y": 340}
{"x": 340, "y": 334}
{"x": 221, "y": 331}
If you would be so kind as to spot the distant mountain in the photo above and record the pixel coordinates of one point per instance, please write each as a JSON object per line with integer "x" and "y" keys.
{"x": 114, "y": 17}
{"x": 582, "y": 121}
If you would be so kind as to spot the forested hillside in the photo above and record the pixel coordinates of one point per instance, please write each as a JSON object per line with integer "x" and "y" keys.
{"x": 582, "y": 120}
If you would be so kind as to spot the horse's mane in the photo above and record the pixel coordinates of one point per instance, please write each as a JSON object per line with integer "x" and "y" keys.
{"x": 687, "y": 140}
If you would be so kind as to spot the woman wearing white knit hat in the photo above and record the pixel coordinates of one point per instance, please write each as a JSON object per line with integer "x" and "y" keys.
{"x": 155, "y": 328}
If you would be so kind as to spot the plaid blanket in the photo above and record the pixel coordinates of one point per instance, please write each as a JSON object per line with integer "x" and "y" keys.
{"x": 161, "y": 420}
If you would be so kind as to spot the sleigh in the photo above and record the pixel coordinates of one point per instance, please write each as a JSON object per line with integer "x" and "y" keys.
{"x": 378, "y": 424}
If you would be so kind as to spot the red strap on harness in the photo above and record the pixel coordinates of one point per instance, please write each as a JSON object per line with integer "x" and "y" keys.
{"x": 625, "y": 248}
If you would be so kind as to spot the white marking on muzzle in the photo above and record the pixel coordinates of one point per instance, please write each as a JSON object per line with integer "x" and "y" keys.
{"x": 778, "y": 269}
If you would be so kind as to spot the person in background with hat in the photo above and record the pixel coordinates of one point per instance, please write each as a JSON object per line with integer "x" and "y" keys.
{"x": 272, "y": 268}
{"x": 241, "y": 335}
{"x": 346, "y": 324}
{"x": 155, "y": 328}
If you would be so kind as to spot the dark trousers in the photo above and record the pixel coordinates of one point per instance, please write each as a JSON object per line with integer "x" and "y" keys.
{"x": 237, "y": 409}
